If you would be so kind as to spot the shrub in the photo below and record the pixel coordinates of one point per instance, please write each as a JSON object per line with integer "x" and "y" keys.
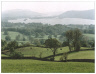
{"x": 61, "y": 58}
{"x": 64, "y": 57}
{"x": 40, "y": 55}
{"x": 16, "y": 55}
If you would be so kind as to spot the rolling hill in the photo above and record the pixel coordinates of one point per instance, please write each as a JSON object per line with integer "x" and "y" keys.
{"x": 86, "y": 14}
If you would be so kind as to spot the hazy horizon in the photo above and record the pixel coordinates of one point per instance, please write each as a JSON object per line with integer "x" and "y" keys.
{"x": 48, "y": 7}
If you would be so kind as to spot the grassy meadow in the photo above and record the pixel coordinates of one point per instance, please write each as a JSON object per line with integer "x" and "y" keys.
{"x": 90, "y": 36}
{"x": 79, "y": 55}
{"x": 36, "y": 66}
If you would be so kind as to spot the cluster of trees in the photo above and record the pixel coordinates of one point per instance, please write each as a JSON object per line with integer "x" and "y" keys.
{"x": 74, "y": 39}
{"x": 69, "y": 36}
{"x": 11, "y": 46}
{"x": 39, "y": 29}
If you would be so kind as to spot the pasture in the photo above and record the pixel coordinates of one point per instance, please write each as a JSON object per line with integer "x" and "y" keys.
{"x": 90, "y": 54}
{"x": 36, "y": 66}
{"x": 89, "y": 36}
{"x": 31, "y": 51}
{"x": 12, "y": 35}
{"x": 35, "y": 51}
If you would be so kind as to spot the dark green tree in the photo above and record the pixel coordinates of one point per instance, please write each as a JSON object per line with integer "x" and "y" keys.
{"x": 76, "y": 39}
{"x": 5, "y": 32}
{"x": 24, "y": 39}
{"x": 7, "y": 38}
{"x": 37, "y": 42}
{"x": 69, "y": 37}
{"x": 37, "y": 35}
{"x": 31, "y": 39}
{"x": 73, "y": 38}
{"x": 50, "y": 36}
{"x": 53, "y": 44}
{"x": 3, "y": 44}
{"x": 18, "y": 37}
{"x": 12, "y": 45}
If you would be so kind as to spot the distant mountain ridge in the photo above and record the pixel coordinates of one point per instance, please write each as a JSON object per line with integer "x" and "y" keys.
{"x": 18, "y": 13}
{"x": 86, "y": 14}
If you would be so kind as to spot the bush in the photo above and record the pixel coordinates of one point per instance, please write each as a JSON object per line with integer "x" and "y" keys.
{"x": 64, "y": 57}
{"x": 61, "y": 58}
{"x": 40, "y": 55}
{"x": 65, "y": 43}
{"x": 16, "y": 55}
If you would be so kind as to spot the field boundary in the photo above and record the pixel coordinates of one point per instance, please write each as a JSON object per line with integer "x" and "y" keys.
{"x": 43, "y": 59}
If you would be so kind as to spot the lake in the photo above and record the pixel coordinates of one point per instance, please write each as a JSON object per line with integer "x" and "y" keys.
{"x": 54, "y": 21}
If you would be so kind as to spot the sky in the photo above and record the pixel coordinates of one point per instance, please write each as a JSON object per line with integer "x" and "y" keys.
{"x": 48, "y": 7}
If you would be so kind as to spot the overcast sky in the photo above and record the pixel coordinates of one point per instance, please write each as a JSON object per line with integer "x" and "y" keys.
{"x": 44, "y": 7}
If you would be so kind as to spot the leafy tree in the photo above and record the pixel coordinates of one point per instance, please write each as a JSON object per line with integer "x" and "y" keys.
{"x": 3, "y": 44}
{"x": 16, "y": 55}
{"x": 37, "y": 42}
{"x": 18, "y": 37}
{"x": 62, "y": 38}
{"x": 12, "y": 45}
{"x": 50, "y": 36}
{"x": 42, "y": 34}
{"x": 8, "y": 38}
{"x": 31, "y": 39}
{"x": 73, "y": 39}
{"x": 76, "y": 42}
{"x": 65, "y": 43}
{"x": 84, "y": 41}
{"x": 40, "y": 55}
{"x": 64, "y": 57}
{"x": 55, "y": 35}
{"x": 91, "y": 43}
{"x": 69, "y": 37}
{"x": 24, "y": 39}
{"x": 37, "y": 35}
{"x": 42, "y": 41}
{"x": 53, "y": 44}
{"x": 5, "y": 32}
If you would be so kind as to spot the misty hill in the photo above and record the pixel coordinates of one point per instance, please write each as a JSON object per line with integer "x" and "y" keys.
{"x": 18, "y": 13}
{"x": 86, "y": 14}
{"x": 63, "y": 17}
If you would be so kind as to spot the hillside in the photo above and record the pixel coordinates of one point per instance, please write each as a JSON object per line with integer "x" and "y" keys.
{"x": 86, "y": 14}
{"x": 18, "y": 13}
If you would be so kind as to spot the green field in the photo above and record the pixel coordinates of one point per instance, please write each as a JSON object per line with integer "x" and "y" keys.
{"x": 80, "y": 55}
{"x": 35, "y": 66}
{"x": 3, "y": 55}
{"x": 90, "y": 36}
{"x": 37, "y": 50}
{"x": 38, "y": 66}
{"x": 12, "y": 35}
